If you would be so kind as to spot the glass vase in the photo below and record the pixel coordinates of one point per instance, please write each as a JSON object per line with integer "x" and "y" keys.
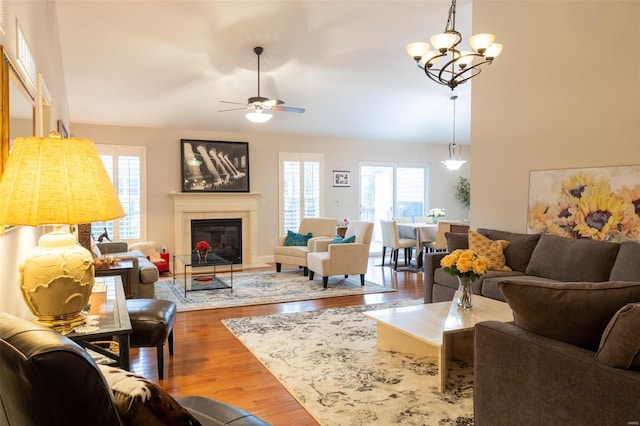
{"x": 464, "y": 296}
{"x": 202, "y": 256}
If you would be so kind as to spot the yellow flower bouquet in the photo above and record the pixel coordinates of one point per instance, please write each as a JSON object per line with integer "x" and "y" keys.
{"x": 464, "y": 263}
{"x": 467, "y": 266}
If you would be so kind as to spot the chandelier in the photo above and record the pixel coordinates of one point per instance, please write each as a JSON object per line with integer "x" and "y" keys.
{"x": 454, "y": 162}
{"x": 456, "y": 66}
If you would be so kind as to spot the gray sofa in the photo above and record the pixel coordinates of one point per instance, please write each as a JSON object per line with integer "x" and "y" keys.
{"x": 536, "y": 257}
{"x": 144, "y": 274}
{"x": 572, "y": 356}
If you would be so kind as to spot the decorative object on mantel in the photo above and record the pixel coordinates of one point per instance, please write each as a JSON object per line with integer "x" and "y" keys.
{"x": 600, "y": 203}
{"x": 454, "y": 162}
{"x": 203, "y": 247}
{"x": 59, "y": 182}
{"x": 258, "y": 106}
{"x": 463, "y": 192}
{"x": 214, "y": 166}
{"x": 445, "y": 48}
{"x": 467, "y": 266}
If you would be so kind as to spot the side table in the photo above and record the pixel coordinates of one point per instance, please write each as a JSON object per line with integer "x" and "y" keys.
{"x": 122, "y": 269}
{"x": 107, "y": 300}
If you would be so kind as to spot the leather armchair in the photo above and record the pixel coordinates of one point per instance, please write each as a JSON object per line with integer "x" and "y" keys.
{"x": 343, "y": 259}
{"x": 47, "y": 379}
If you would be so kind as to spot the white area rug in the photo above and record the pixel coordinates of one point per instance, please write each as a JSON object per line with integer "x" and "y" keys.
{"x": 328, "y": 360}
{"x": 250, "y": 288}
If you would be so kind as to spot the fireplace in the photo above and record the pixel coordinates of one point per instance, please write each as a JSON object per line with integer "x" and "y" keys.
{"x": 223, "y": 235}
{"x": 196, "y": 206}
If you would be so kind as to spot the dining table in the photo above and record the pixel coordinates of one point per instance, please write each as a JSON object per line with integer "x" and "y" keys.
{"x": 421, "y": 232}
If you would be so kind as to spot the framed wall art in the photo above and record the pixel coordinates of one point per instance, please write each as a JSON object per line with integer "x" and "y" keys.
{"x": 599, "y": 203}
{"x": 214, "y": 166}
{"x": 341, "y": 178}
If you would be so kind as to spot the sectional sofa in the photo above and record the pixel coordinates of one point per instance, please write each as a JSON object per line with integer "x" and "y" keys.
{"x": 572, "y": 356}
{"x": 536, "y": 257}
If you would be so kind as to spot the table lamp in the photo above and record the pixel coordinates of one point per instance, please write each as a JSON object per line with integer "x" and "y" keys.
{"x": 59, "y": 182}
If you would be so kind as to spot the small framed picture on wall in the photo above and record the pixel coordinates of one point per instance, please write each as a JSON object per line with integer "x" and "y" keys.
{"x": 341, "y": 178}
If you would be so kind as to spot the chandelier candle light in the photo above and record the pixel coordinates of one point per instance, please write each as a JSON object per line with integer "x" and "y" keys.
{"x": 457, "y": 66}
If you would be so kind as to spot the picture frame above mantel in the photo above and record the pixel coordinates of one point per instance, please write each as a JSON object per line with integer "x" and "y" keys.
{"x": 214, "y": 166}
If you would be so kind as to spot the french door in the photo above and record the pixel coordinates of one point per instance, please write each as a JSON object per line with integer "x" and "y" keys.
{"x": 391, "y": 190}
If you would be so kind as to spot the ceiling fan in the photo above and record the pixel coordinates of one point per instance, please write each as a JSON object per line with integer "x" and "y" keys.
{"x": 259, "y": 106}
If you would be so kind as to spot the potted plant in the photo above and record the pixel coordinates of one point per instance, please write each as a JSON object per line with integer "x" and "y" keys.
{"x": 463, "y": 192}
{"x": 202, "y": 247}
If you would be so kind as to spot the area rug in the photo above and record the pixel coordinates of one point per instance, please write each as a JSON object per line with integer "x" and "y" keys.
{"x": 251, "y": 288}
{"x": 328, "y": 360}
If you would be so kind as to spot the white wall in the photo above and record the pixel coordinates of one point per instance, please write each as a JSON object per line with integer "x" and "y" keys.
{"x": 38, "y": 21}
{"x": 163, "y": 172}
{"x": 565, "y": 93}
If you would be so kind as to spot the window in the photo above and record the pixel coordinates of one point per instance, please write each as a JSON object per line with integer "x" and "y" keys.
{"x": 391, "y": 190}
{"x": 126, "y": 168}
{"x": 301, "y": 186}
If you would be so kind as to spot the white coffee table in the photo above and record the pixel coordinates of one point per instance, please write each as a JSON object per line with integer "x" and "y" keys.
{"x": 439, "y": 329}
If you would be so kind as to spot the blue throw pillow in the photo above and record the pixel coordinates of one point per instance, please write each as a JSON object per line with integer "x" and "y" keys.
{"x": 295, "y": 239}
{"x": 339, "y": 240}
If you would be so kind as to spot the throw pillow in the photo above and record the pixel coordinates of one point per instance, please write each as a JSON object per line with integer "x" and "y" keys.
{"x": 456, "y": 241}
{"x": 147, "y": 247}
{"x": 620, "y": 344}
{"x": 492, "y": 250}
{"x": 142, "y": 402}
{"x": 573, "y": 312}
{"x": 339, "y": 240}
{"x": 295, "y": 239}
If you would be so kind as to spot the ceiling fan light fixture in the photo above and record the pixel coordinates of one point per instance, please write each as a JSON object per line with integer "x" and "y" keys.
{"x": 258, "y": 117}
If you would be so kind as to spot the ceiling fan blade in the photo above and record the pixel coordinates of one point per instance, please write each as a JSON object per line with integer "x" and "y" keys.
{"x": 232, "y": 109}
{"x": 272, "y": 102}
{"x": 235, "y": 103}
{"x": 287, "y": 109}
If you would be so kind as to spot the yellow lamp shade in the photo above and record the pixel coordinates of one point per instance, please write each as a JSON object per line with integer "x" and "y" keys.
{"x": 56, "y": 181}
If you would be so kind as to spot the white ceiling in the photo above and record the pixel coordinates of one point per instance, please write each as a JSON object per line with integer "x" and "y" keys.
{"x": 168, "y": 64}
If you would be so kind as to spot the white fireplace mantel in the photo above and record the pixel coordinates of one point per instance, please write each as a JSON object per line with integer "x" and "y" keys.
{"x": 243, "y": 205}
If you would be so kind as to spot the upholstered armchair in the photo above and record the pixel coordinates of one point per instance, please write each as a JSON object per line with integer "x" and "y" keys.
{"x": 319, "y": 227}
{"x": 342, "y": 259}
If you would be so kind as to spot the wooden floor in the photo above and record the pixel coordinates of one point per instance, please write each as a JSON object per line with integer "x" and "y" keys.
{"x": 209, "y": 360}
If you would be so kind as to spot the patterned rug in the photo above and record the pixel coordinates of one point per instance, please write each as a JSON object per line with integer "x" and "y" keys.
{"x": 328, "y": 360}
{"x": 251, "y": 288}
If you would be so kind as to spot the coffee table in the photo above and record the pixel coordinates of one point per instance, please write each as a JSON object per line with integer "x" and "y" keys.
{"x": 206, "y": 280}
{"x": 441, "y": 329}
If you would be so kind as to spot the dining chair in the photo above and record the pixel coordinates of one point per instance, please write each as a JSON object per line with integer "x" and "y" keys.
{"x": 391, "y": 239}
{"x": 423, "y": 219}
{"x": 403, "y": 219}
{"x": 440, "y": 242}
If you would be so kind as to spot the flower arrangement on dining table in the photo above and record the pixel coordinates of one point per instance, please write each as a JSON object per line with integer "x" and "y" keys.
{"x": 436, "y": 213}
{"x": 467, "y": 266}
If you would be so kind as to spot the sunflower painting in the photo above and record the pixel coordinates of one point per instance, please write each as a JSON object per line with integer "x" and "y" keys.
{"x": 600, "y": 203}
